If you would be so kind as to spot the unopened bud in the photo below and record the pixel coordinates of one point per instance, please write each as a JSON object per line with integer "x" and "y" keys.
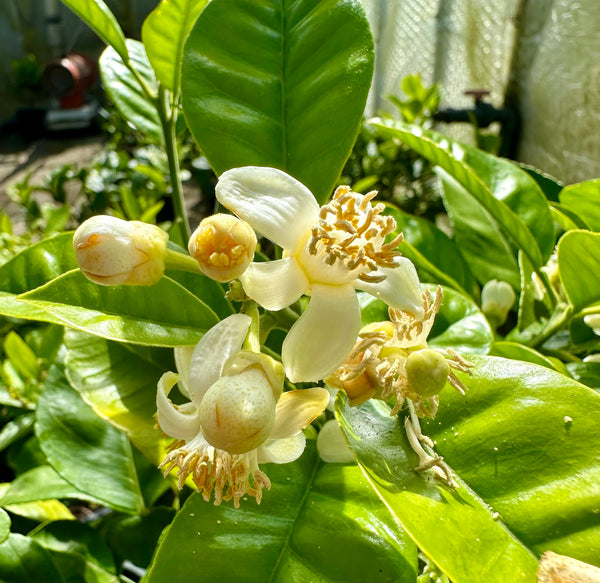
{"x": 497, "y": 298}
{"x": 426, "y": 372}
{"x": 237, "y": 413}
{"x": 111, "y": 251}
{"x": 223, "y": 246}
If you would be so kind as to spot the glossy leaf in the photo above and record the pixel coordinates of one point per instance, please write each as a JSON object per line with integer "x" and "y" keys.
{"x": 84, "y": 449}
{"x": 434, "y": 254}
{"x": 584, "y": 200}
{"x": 164, "y": 32}
{"x": 516, "y": 351}
{"x": 119, "y": 383}
{"x": 164, "y": 314}
{"x": 587, "y": 373}
{"x": 4, "y": 526}
{"x": 46, "y": 510}
{"x": 459, "y": 324}
{"x": 579, "y": 266}
{"x": 286, "y": 87}
{"x": 511, "y": 198}
{"x": 541, "y": 483}
{"x": 126, "y": 92}
{"x": 23, "y": 560}
{"x": 320, "y": 522}
{"x": 42, "y": 483}
{"x": 480, "y": 240}
{"x": 52, "y": 257}
{"x": 97, "y": 15}
{"x": 549, "y": 185}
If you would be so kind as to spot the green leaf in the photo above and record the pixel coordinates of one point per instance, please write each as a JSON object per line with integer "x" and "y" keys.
{"x": 584, "y": 200}
{"x": 119, "y": 383}
{"x": 285, "y": 87}
{"x": 516, "y": 351}
{"x": 42, "y": 483}
{"x": 587, "y": 373}
{"x": 46, "y": 510}
{"x": 433, "y": 252}
{"x": 15, "y": 429}
{"x": 453, "y": 527}
{"x": 4, "y": 526}
{"x": 164, "y": 32}
{"x": 566, "y": 218}
{"x": 125, "y": 90}
{"x": 164, "y": 314}
{"x": 480, "y": 240}
{"x": 97, "y": 15}
{"x": 21, "y": 356}
{"x": 22, "y": 560}
{"x": 549, "y": 185}
{"x": 512, "y": 199}
{"x": 320, "y": 522}
{"x": 52, "y": 257}
{"x": 459, "y": 324}
{"x": 84, "y": 449}
{"x": 579, "y": 266}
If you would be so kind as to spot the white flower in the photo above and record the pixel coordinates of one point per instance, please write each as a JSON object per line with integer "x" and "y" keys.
{"x": 236, "y": 417}
{"x": 329, "y": 252}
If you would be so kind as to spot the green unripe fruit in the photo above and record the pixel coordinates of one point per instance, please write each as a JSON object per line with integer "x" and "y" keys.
{"x": 427, "y": 372}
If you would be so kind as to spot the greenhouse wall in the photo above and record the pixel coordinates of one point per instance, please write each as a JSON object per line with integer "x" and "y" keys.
{"x": 540, "y": 56}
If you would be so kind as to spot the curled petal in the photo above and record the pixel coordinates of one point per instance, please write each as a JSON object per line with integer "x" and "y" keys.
{"x": 276, "y": 205}
{"x": 183, "y": 358}
{"x": 281, "y": 451}
{"x": 324, "y": 335}
{"x": 180, "y": 422}
{"x": 297, "y": 409}
{"x": 275, "y": 284}
{"x": 213, "y": 350}
{"x": 332, "y": 445}
{"x": 400, "y": 289}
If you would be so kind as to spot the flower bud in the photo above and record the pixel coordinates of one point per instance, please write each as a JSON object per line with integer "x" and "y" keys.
{"x": 237, "y": 413}
{"x": 497, "y": 298}
{"x": 223, "y": 246}
{"x": 427, "y": 372}
{"x": 111, "y": 251}
{"x": 593, "y": 321}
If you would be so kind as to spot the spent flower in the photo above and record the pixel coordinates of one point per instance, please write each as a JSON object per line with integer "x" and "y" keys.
{"x": 111, "y": 251}
{"x": 329, "y": 252}
{"x": 237, "y": 416}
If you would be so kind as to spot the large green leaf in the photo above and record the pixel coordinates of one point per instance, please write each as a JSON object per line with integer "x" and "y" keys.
{"x": 23, "y": 560}
{"x": 459, "y": 324}
{"x": 126, "y": 92}
{"x": 4, "y": 526}
{"x": 277, "y": 83}
{"x": 435, "y": 255}
{"x": 119, "y": 383}
{"x": 52, "y": 257}
{"x": 579, "y": 266}
{"x": 84, "y": 449}
{"x": 165, "y": 314}
{"x": 512, "y": 199}
{"x": 524, "y": 438}
{"x": 320, "y": 523}
{"x": 97, "y": 15}
{"x": 164, "y": 32}
{"x": 584, "y": 200}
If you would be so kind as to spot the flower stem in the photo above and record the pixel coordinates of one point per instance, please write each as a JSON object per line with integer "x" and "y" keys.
{"x": 180, "y": 262}
{"x": 168, "y": 119}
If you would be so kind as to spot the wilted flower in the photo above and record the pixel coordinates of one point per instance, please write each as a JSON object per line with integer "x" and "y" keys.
{"x": 223, "y": 246}
{"x": 391, "y": 360}
{"x": 236, "y": 417}
{"x": 329, "y": 252}
{"x": 111, "y": 251}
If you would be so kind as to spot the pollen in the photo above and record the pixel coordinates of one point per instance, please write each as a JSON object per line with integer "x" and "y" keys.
{"x": 223, "y": 246}
{"x": 352, "y": 231}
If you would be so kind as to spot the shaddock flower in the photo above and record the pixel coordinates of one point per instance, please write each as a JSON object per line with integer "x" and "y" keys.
{"x": 111, "y": 251}
{"x": 237, "y": 416}
{"x": 329, "y": 252}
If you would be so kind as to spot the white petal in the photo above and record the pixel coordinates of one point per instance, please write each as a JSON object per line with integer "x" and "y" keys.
{"x": 275, "y": 284}
{"x": 297, "y": 409}
{"x": 276, "y": 205}
{"x": 400, "y": 289}
{"x": 281, "y": 451}
{"x": 324, "y": 335}
{"x": 178, "y": 422}
{"x": 213, "y": 350}
{"x": 183, "y": 358}
{"x": 331, "y": 444}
